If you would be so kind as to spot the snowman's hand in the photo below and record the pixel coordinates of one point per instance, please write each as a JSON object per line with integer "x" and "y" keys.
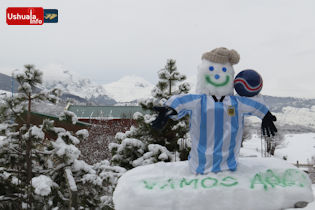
{"x": 267, "y": 125}
{"x": 163, "y": 116}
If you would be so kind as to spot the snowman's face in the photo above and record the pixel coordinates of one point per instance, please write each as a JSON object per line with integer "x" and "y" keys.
{"x": 215, "y": 78}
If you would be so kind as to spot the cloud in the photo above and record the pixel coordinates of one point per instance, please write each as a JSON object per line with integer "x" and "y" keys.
{"x": 106, "y": 40}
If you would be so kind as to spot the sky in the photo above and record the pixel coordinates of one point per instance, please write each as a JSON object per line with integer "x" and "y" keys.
{"x": 104, "y": 40}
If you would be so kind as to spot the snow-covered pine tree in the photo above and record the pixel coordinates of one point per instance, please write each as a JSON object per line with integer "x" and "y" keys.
{"x": 16, "y": 151}
{"x": 55, "y": 178}
{"x": 74, "y": 181}
{"x": 143, "y": 145}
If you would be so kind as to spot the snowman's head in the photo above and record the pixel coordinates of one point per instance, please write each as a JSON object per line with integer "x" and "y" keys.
{"x": 216, "y": 73}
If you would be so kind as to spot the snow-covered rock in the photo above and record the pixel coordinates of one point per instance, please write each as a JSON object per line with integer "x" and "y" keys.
{"x": 310, "y": 206}
{"x": 258, "y": 183}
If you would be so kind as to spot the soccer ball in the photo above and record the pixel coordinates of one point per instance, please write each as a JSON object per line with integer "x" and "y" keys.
{"x": 248, "y": 83}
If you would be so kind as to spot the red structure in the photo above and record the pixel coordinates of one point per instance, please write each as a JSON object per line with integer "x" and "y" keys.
{"x": 106, "y": 122}
{"x": 111, "y": 127}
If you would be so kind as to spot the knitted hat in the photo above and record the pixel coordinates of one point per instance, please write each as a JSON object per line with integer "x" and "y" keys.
{"x": 222, "y": 55}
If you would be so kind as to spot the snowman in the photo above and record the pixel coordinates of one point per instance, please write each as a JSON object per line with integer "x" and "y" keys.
{"x": 216, "y": 115}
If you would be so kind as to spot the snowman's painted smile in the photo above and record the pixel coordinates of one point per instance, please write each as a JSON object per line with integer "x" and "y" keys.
{"x": 208, "y": 79}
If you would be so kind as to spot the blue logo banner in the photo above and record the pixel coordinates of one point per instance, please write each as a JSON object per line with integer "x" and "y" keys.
{"x": 50, "y": 16}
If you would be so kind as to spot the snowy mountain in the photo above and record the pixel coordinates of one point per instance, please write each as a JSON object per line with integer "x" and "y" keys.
{"x": 6, "y": 84}
{"x": 277, "y": 104}
{"x": 83, "y": 88}
{"x": 294, "y": 114}
{"x": 129, "y": 88}
{"x": 297, "y": 116}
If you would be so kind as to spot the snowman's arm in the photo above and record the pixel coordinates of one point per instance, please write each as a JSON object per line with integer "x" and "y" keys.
{"x": 183, "y": 104}
{"x": 163, "y": 116}
{"x": 175, "y": 108}
{"x": 252, "y": 107}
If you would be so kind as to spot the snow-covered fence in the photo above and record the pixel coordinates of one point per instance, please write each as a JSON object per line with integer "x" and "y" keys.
{"x": 311, "y": 173}
{"x": 73, "y": 190}
{"x": 303, "y": 165}
{"x": 308, "y": 168}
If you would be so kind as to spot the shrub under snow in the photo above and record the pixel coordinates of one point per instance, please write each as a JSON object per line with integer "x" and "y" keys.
{"x": 42, "y": 185}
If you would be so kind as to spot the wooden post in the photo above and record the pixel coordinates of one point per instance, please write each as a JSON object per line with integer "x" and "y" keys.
{"x": 28, "y": 157}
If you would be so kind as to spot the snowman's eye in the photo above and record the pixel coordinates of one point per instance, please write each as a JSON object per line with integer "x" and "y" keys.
{"x": 211, "y": 68}
{"x": 224, "y": 69}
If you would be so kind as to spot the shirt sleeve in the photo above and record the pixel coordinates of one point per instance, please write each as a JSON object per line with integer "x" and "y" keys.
{"x": 183, "y": 104}
{"x": 252, "y": 107}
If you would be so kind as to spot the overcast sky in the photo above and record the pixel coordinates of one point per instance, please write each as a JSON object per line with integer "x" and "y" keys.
{"x": 105, "y": 40}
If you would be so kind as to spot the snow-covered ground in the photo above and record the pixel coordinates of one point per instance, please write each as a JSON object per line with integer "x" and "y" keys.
{"x": 298, "y": 147}
{"x": 295, "y": 147}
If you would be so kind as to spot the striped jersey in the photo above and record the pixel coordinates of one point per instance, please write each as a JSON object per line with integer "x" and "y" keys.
{"x": 216, "y": 128}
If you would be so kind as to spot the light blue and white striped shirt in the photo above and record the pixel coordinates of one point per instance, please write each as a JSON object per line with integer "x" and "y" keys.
{"x": 216, "y": 128}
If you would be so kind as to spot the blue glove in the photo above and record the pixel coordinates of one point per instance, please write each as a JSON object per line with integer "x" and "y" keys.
{"x": 164, "y": 114}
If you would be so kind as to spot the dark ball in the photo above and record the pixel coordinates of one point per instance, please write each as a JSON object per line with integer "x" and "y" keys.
{"x": 248, "y": 83}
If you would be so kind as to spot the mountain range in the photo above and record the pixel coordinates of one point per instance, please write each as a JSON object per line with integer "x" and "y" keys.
{"x": 129, "y": 89}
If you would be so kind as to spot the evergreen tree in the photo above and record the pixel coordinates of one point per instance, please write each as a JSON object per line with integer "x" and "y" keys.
{"x": 144, "y": 145}
{"x": 16, "y": 155}
{"x": 40, "y": 166}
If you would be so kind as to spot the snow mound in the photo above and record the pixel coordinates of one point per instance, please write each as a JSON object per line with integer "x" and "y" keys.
{"x": 258, "y": 183}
